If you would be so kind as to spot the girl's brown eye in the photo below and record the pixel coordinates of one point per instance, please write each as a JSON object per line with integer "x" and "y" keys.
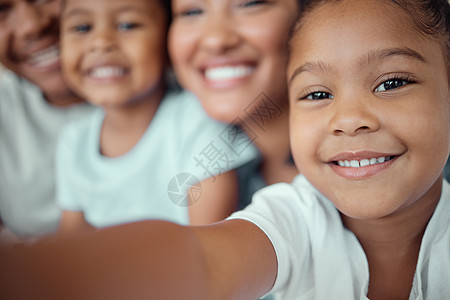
{"x": 391, "y": 84}
{"x": 318, "y": 96}
{"x": 127, "y": 26}
{"x": 395, "y": 82}
{"x": 81, "y": 28}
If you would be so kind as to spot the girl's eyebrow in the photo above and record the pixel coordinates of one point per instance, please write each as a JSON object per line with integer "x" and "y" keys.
{"x": 387, "y": 53}
{"x": 74, "y": 12}
{"x": 131, "y": 8}
{"x": 320, "y": 66}
{"x": 81, "y": 11}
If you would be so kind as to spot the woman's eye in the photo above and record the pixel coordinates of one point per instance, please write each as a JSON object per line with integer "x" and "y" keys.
{"x": 126, "y": 26}
{"x": 318, "y": 96}
{"x": 191, "y": 12}
{"x": 391, "y": 84}
{"x": 254, "y": 3}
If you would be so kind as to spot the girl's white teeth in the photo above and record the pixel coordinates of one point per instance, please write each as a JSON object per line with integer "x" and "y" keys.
{"x": 228, "y": 72}
{"x": 107, "y": 72}
{"x": 45, "y": 57}
{"x": 363, "y": 162}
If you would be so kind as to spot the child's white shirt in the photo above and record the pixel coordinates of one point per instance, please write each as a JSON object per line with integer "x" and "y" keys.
{"x": 29, "y": 128}
{"x": 181, "y": 146}
{"x": 318, "y": 258}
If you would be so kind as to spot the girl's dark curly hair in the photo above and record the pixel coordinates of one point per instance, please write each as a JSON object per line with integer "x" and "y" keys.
{"x": 167, "y": 4}
{"x": 429, "y": 17}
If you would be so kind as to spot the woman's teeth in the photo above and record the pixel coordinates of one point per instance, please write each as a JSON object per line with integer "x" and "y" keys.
{"x": 363, "y": 162}
{"x": 107, "y": 72}
{"x": 227, "y": 73}
{"x": 45, "y": 57}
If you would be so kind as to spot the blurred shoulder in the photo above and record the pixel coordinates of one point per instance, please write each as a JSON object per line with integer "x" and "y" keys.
{"x": 14, "y": 87}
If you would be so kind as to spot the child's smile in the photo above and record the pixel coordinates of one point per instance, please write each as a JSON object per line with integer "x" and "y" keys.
{"x": 369, "y": 110}
{"x": 106, "y": 73}
{"x": 359, "y": 165}
{"x": 117, "y": 50}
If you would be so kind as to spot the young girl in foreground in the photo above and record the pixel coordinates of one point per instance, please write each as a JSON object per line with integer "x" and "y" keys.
{"x": 369, "y": 92}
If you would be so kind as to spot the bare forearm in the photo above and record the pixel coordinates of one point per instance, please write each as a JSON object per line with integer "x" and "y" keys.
{"x": 146, "y": 260}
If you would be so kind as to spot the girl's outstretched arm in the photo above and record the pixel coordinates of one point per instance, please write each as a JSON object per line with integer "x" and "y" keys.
{"x": 144, "y": 260}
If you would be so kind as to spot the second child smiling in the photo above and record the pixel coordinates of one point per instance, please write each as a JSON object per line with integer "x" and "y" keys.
{"x": 115, "y": 166}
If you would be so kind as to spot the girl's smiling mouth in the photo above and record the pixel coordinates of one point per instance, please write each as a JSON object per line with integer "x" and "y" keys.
{"x": 106, "y": 72}
{"x": 361, "y": 165}
{"x": 363, "y": 162}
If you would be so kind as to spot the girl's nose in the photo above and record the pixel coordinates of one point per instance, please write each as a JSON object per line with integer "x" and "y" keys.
{"x": 352, "y": 117}
{"x": 102, "y": 40}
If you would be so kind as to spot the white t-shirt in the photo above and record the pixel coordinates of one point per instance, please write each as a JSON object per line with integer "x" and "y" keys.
{"x": 318, "y": 258}
{"x": 145, "y": 183}
{"x": 29, "y": 128}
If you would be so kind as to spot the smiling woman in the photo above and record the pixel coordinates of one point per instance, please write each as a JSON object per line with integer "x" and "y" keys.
{"x": 231, "y": 55}
{"x": 26, "y": 49}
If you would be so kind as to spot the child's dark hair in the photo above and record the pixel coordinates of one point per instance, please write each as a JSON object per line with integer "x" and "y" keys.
{"x": 167, "y": 4}
{"x": 430, "y": 17}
